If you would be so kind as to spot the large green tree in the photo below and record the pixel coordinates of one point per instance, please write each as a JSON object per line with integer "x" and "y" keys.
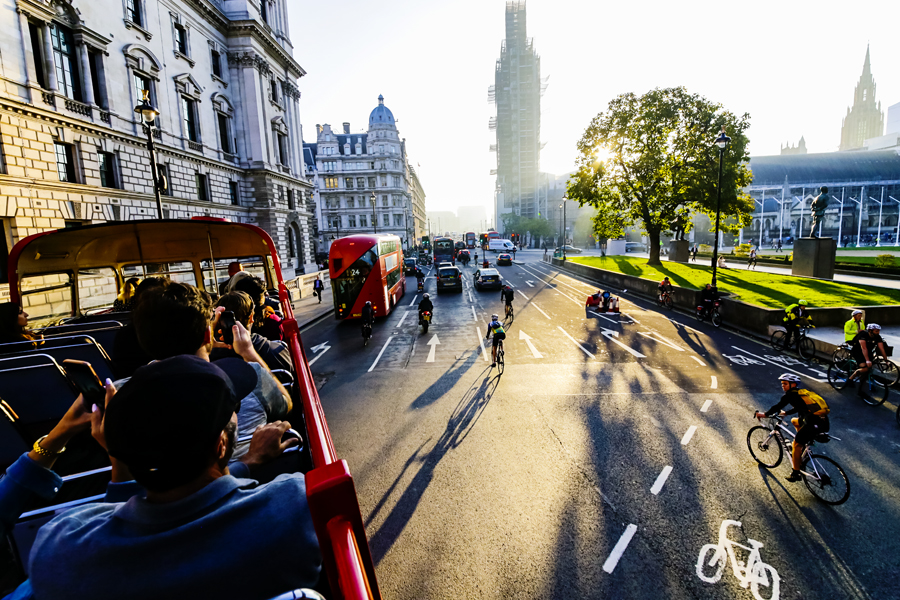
{"x": 649, "y": 160}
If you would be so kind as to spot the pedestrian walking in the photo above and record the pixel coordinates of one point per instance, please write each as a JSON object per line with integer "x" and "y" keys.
{"x": 317, "y": 288}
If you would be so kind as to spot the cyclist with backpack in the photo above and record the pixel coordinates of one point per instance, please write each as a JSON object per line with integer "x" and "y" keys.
{"x": 507, "y": 295}
{"x": 812, "y": 417}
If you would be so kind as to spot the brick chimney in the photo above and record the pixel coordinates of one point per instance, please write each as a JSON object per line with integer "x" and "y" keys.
{"x": 347, "y": 128}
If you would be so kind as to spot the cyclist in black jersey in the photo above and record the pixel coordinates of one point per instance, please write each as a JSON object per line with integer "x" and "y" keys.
{"x": 507, "y": 295}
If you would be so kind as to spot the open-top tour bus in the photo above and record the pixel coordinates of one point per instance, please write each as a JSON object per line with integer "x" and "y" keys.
{"x": 73, "y": 275}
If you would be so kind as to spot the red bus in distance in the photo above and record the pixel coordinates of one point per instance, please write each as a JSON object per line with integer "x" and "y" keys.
{"x": 471, "y": 239}
{"x": 366, "y": 267}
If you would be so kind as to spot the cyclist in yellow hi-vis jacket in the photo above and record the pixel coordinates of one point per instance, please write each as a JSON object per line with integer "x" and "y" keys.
{"x": 854, "y": 325}
{"x": 495, "y": 327}
{"x": 795, "y": 315}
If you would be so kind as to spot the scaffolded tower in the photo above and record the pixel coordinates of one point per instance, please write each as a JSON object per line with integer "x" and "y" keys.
{"x": 517, "y": 92}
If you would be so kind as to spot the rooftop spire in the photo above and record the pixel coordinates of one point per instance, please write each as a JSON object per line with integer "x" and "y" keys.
{"x": 381, "y": 98}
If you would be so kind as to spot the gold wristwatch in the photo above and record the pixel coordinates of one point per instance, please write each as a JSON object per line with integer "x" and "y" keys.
{"x": 43, "y": 451}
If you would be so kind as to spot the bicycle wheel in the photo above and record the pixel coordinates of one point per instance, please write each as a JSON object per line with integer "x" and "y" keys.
{"x": 717, "y": 560}
{"x": 828, "y": 484}
{"x": 668, "y": 302}
{"x": 777, "y": 341}
{"x": 878, "y": 391}
{"x": 837, "y": 376}
{"x": 886, "y": 372}
{"x": 764, "y": 575}
{"x": 501, "y": 363}
{"x": 840, "y": 355}
{"x": 807, "y": 349}
{"x": 716, "y": 318}
{"x": 764, "y": 446}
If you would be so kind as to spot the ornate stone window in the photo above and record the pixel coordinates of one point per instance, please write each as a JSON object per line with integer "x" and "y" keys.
{"x": 189, "y": 104}
{"x": 181, "y": 38}
{"x": 225, "y": 123}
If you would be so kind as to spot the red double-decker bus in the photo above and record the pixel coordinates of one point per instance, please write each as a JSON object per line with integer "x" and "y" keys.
{"x": 366, "y": 267}
{"x": 471, "y": 239}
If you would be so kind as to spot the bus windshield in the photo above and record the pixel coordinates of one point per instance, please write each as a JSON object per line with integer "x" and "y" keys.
{"x": 348, "y": 285}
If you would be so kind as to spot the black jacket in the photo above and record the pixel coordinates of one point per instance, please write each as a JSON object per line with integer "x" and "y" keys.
{"x": 426, "y": 304}
{"x": 275, "y": 354}
{"x": 709, "y": 295}
{"x": 368, "y": 314}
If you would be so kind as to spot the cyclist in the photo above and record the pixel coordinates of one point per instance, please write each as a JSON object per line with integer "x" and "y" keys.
{"x": 751, "y": 259}
{"x": 507, "y": 294}
{"x": 368, "y": 314}
{"x": 665, "y": 287}
{"x": 495, "y": 327}
{"x": 863, "y": 351}
{"x": 854, "y": 326}
{"x": 425, "y": 305}
{"x": 708, "y": 295}
{"x": 796, "y": 315}
{"x": 420, "y": 278}
{"x": 812, "y": 417}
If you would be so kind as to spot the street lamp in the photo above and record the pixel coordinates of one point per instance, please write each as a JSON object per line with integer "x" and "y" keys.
{"x": 372, "y": 198}
{"x": 722, "y": 142}
{"x": 563, "y": 207}
{"x": 148, "y": 115}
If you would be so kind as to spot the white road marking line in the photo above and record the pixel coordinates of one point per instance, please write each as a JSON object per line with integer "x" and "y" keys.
{"x": 403, "y": 318}
{"x": 688, "y": 435}
{"x": 530, "y": 284}
{"x": 474, "y": 316}
{"x": 414, "y": 299}
{"x": 377, "y": 358}
{"x": 542, "y": 312}
{"x": 661, "y": 480}
{"x": 619, "y": 549}
{"x": 781, "y": 366}
{"x": 583, "y": 349}
{"x": 527, "y": 338}
{"x": 715, "y": 382}
{"x": 523, "y": 295}
{"x": 706, "y": 406}
{"x": 700, "y": 362}
{"x": 607, "y": 318}
{"x": 319, "y": 355}
{"x": 510, "y": 283}
{"x": 661, "y": 340}
{"x": 685, "y": 326}
{"x": 433, "y": 342}
{"x": 609, "y": 333}
{"x": 471, "y": 299}
{"x": 481, "y": 341}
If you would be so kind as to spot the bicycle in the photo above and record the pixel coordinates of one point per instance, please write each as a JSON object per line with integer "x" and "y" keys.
{"x": 825, "y": 479}
{"x": 889, "y": 372}
{"x": 664, "y": 300}
{"x": 712, "y": 314}
{"x": 366, "y": 333}
{"x": 501, "y": 363}
{"x": 879, "y": 379}
{"x": 805, "y": 346}
{"x": 509, "y": 311}
{"x": 753, "y": 572}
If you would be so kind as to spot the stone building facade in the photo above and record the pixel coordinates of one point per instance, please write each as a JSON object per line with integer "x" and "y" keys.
{"x": 352, "y": 168}
{"x": 228, "y": 139}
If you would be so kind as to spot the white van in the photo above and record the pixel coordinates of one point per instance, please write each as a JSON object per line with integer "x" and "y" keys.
{"x": 500, "y": 246}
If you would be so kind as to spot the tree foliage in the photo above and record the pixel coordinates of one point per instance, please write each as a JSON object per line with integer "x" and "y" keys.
{"x": 650, "y": 159}
{"x": 540, "y": 228}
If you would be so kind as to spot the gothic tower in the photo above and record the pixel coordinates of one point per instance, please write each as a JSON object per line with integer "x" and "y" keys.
{"x": 865, "y": 119}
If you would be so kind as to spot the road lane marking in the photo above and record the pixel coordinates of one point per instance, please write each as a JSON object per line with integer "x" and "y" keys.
{"x": 706, "y": 406}
{"x": 781, "y": 365}
{"x": 474, "y": 316}
{"x": 688, "y": 435}
{"x": 433, "y": 342}
{"x": 542, "y": 312}
{"x": 527, "y": 338}
{"x": 414, "y": 299}
{"x": 321, "y": 349}
{"x": 661, "y": 481}
{"x": 383, "y": 348}
{"x": 685, "y": 326}
{"x": 619, "y": 549}
{"x": 530, "y": 283}
{"x": 583, "y": 349}
{"x": 596, "y": 314}
{"x": 715, "y": 382}
{"x": 523, "y": 295}
{"x": 661, "y": 340}
{"x": 481, "y": 341}
{"x": 471, "y": 299}
{"x": 699, "y": 362}
{"x": 609, "y": 333}
{"x": 403, "y": 318}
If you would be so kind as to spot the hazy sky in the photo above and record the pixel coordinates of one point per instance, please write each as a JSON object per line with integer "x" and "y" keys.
{"x": 791, "y": 64}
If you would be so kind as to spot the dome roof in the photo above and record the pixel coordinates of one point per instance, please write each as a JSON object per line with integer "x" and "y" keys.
{"x": 381, "y": 114}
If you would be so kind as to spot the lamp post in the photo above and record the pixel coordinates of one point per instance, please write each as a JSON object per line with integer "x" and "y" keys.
{"x": 372, "y": 199}
{"x": 722, "y": 142}
{"x": 563, "y": 207}
{"x": 148, "y": 114}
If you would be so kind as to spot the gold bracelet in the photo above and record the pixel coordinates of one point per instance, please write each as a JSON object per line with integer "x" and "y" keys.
{"x": 43, "y": 451}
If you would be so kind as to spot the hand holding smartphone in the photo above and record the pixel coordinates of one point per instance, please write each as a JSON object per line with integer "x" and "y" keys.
{"x": 86, "y": 382}
{"x": 224, "y": 332}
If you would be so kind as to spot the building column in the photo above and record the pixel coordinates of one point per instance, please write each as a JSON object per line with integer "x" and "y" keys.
{"x": 297, "y": 158}
{"x": 87, "y": 82}
{"x": 49, "y": 65}
{"x": 30, "y": 70}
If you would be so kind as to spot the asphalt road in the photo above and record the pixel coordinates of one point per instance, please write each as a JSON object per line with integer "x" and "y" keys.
{"x": 602, "y": 461}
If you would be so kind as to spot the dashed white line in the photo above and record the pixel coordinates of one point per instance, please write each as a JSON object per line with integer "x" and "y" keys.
{"x": 688, "y": 435}
{"x": 403, "y": 318}
{"x": 383, "y": 348}
{"x": 706, "y": 406}
{"x": 523, "y": 295}
{"x": 715, "y": 382}
{"x": 619, "y": 549}
{"x": 661, "y": 481}
{"x": 700, "y": 362}
{"x": 576, "y": 342}
{"x": 542, "y": 312}
{"x": 685, "y": 326}
{"x": 474, "y": 316}
{"x": 414, "y": 300}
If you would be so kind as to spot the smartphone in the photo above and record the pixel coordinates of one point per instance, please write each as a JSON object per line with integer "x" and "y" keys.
{"x": 224, "y": 332}
{"x": 86, "y": 381}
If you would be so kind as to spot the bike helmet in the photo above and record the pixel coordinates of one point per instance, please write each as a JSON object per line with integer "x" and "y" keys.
{"x": 873, "y": 326}
{"x": 856, "y": 312}
{"x": 789, "y": 377}
{"x": 425, "y": 295}
{"x": 495, "y": 317}
{"x": 802, "y": 303}
{"x": 368, "y": 303}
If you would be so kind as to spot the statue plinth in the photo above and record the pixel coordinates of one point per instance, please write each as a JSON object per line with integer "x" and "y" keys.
{"x": 679, "y": 251}
{"x": 814, "y": 257}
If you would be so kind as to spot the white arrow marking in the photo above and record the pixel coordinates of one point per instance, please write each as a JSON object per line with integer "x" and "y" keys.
{"x": 661, "y": 340}
{"x": 530, "y": 283}
{"x": 403, "y": 318}
{"x": 527, "y": 338}
{"x": 583, "y": 349}
{"x": 481, "y": 341}
{"x": 433, "y": 343}
{"x": 609, "y": 333}
{"x": 320, "y": 349}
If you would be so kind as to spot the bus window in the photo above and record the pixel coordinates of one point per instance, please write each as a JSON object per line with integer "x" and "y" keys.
{"x": 47, "y": 298}
{"x": 179, "y": 272}
{"x": 348, "y": 285}
{"x": 253, "y": 265}
{"x": 96, "y": 289}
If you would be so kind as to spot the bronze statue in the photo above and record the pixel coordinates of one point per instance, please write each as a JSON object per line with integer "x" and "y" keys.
{"x": 818, "y": 207}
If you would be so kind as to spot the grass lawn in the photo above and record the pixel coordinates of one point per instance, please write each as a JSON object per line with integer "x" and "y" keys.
{"x": 762, "y": 289}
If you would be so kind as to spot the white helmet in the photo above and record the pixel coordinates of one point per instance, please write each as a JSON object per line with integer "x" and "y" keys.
{"x": 495, "y": 317}
{"x": 789, "y": 377}
{"x": 425, "y": 295}
{"x": 873, "y": 326}
{"x": 856, "y": 312}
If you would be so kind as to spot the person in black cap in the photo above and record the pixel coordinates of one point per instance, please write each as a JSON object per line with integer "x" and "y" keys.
{"x": 198, "y": 525}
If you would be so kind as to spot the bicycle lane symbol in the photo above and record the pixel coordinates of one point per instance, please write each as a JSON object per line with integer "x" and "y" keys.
{"x": 743, "y": 361}
{"x": 752, "y": 573}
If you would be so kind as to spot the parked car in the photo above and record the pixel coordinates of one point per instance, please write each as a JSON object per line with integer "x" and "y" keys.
{"x": 409, "y": 266}
{"x": 487, "y": 279}
{"x": 504, "y": 259}
{"x": 569, "y": 249}
{"x": 449, "y": 278}
{"x": 635, "y": 247}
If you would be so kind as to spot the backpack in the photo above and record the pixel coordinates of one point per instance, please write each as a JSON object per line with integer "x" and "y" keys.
{"x": 814, "y": 402}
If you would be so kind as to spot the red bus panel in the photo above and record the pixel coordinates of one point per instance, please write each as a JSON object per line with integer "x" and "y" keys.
{"x": 366, "y": 268}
